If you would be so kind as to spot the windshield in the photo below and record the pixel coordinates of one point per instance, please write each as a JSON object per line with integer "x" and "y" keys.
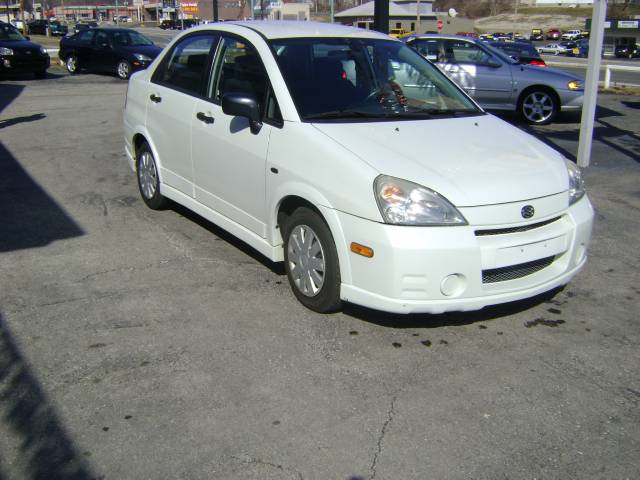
{"x": 130, "y": 39}
{"x": 7, "y": 32}
{"x": 365, "y": 78}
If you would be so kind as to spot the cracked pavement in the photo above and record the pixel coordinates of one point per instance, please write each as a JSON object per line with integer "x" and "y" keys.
{"x": 137, "y": 344}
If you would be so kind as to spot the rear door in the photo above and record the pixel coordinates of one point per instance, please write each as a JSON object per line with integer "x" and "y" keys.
{"x": 83, "y": 48}
{"x": 176, "y": 85}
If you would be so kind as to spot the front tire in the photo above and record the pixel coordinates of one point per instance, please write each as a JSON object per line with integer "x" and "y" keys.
{"x": 123, "y": 70}
{"x": 148, "y": 179}
{"x": 538, "y": 107}
{"x": 311, "y": 261}
{"x": 72, "y": 64}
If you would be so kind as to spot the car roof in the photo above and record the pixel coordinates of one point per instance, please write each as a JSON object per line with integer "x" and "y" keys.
{"x": 296, "y": 29}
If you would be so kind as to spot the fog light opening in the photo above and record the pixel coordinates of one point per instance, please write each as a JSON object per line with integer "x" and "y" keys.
{"x": 453, "y": 285}
{"x": 580, "y": 253}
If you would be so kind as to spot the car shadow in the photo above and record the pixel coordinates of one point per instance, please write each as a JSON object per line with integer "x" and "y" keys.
{"x": 25, "y": 119}
{"x": 275, "y": 267}
{"x": 28, "y": 418}
{"x": 428, "y": 321}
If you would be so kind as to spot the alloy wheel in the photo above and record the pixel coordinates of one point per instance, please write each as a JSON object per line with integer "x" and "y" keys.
{"x": 148, "y": 175}
{"x": 538, "y": 107}
{"x": 123, "y": 70}
{"x": 306, "y": 260}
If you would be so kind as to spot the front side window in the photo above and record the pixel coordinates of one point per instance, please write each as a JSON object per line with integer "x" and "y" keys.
{"x": 102, "y": 39}
{"x": 130, "y": 39}
{"x": 239, "y": 70}
{"x": 365, "y": 78}
{"x": 458, "y": 51}
{"x": 185, "y": 66}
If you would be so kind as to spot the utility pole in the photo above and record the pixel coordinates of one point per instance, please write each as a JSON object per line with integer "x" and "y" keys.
{"x": 418, "y": 27}
{"x": 215, "y": 10}
{"x": 332, "y": 10}
{"x": 381, "y": 16}
{"x": 25, "y": 30}
{"x": 591, "y": 83}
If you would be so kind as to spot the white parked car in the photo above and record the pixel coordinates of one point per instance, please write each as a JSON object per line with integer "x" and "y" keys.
{"x": 348, "y": 156}
{"x": 572, "y": 35}
{"x": 553, "y": 48}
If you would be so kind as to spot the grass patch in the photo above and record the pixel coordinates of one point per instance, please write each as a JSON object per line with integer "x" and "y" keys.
{"x": 621, "y": 90}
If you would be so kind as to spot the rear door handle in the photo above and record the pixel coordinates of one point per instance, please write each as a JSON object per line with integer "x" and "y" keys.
{"x": 204, "y": 118}
{"x": 154, "y": 98}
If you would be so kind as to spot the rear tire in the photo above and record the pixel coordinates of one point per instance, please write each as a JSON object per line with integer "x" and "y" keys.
{"x": 149, "y": 179}
{"x": 311, "y": 261}
{"x": 40, "y": 75}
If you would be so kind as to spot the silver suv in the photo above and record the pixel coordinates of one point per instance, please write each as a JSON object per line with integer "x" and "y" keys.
{"x": 497, "y": 82}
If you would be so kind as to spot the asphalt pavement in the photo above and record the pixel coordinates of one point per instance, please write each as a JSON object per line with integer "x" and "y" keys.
{"x": 140, "y": 344}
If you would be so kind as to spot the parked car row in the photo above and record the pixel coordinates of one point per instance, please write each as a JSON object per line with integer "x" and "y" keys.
{"x": 56, "y": 28}
{"x": 179, "y": 24}
{"x": 628, "y": 51}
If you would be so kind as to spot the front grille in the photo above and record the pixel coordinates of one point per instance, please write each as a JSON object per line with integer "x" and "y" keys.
{"x": 522, "y": 228}
{"x": 512, "y": 272}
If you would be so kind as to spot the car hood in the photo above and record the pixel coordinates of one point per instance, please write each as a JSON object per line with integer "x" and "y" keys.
{"x": 19, "y": 45}
{"x": 549, "y": 72}
{"x": 472, "y": 161}
{"x": 150, "y": 51}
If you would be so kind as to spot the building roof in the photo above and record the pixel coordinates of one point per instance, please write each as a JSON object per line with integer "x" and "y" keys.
{"x": 396, "y": 9}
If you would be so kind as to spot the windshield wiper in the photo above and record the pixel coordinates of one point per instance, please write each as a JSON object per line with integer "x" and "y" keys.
{"x": 345, "y": 114}
{"x": 444, "y": 112}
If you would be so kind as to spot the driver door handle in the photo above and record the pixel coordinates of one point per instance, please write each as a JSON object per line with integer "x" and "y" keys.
{"x": 204, "y": 118}
{"x": 154, "y": 98}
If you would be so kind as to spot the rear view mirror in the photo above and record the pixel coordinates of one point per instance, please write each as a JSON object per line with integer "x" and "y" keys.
{"x": 243, "y": 105}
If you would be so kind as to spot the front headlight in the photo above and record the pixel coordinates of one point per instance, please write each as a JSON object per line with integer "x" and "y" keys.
{"x": 406, "y": 203}
{"x": 575, "y": 85}
{"x": 142, "y": 58}
{"x": 5, "y": 51}
{"x": 43, "y": 51}
{"x": 576, "y": 183}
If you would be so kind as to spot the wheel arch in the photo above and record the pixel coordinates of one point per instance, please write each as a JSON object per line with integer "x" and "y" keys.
{"x": 299, "y": 195}
{"x": 535, "y": 87}
{"x": 137, "y": 140}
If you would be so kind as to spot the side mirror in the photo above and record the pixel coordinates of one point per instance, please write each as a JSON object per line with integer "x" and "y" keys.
{"x": 493, "y": 63}
{"x": 243, "y": 105}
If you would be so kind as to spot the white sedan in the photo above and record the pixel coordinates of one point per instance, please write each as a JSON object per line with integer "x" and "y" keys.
{"x": 553, "y": 48}
{"x": 348, "y": 156}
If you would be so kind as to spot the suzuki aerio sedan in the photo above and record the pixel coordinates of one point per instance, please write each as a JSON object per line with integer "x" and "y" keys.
{"x": 348, "y": 156}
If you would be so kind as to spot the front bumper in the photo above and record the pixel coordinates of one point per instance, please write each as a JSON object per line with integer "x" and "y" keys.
{"x": 24, "y": 63}
{"x": 440, "y": 269}
{"x": 571, "y": 100}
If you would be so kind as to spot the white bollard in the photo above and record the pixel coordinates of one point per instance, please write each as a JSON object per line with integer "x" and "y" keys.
{"x": 607, "y": 77}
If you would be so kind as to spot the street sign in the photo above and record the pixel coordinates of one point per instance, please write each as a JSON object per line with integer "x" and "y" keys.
{"x": 440, "y": 25}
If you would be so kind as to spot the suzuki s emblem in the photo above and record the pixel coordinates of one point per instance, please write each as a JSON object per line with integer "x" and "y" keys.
{"x": 527, "y": 211}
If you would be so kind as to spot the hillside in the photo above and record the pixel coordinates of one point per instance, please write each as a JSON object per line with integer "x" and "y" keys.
{"x": 509, "y": 22}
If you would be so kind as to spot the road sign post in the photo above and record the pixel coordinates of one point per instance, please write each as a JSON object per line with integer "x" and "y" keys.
{"x": 440, "y": 25}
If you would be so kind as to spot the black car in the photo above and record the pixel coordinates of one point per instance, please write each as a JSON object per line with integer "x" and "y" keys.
{"x": 84, "y": 26}
{"x": 119, "y": 50}
{"x": 628, "y": 51}
{"x": 39, "y": 27}
{"x": 522, "y": 52}
{"x": 168, "y": 25}
{"x": 19, "y": 55}
{"x": 537, "y": 35}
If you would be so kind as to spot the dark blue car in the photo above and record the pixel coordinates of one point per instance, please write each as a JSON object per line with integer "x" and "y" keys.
{"x": 19, "y": 55}
{"x": 111, "y": 50}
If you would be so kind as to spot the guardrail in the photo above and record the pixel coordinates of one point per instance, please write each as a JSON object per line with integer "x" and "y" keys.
{"x": 607, "y": 69}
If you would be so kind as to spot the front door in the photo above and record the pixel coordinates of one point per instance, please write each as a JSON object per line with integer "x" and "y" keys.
{"x": 230, "y": 159}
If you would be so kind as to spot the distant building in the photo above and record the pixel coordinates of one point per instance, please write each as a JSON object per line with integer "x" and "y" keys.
{"x": 404, "y": 14}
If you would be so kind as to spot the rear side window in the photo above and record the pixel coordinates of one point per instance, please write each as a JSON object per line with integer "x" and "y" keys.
{"x": 457, "y": 51}
{"x": 185, "y": 67}
{"x": 86, "y": 37}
